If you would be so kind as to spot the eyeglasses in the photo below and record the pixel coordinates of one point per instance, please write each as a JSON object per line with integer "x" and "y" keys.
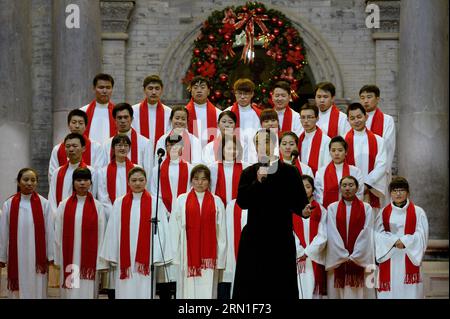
{"x": 399, "y": 191}
{"x": 309, "y": 117}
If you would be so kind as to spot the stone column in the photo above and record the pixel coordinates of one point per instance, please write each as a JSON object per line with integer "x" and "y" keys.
{"x": 15, "y": 92}
{"x": 76, "y": 59}
{"x": 423, "y": 99}
{"x": 115, "y": 15}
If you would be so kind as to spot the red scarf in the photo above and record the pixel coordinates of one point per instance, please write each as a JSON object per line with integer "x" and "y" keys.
{"x": 60, "y": 180}
{"x": 221, "y": 187}
{"x": 412, "y": 272}
{"x": 333, "y": 122}
{"x": 237, "y": 227}
{"x": 377, "y": 123}
{"x": 143, "y": 242}
{"x": 235, "y": 110}
{"x": 144, "y": 123}
{"x": 373, "y": 150}
{"x": 211, "y": 119}
{"x": 89, "y": 238}
{"x": 111, "y": 175}
{"x": 331, "y": 183}
{"x": 314, "y": 153}
{"x": 349, "y": 273}
{"x": 216, "y": 147}
{"x": 90, "y": 113}
{"x": 299, "y": 167}
{"x": 39, "y": 239}
{"x": 287, "y": 120}
{"x": 166, "y": 191}
{"x": 62, "y": 156}
{"x": 319, "y": 270}
{"x": 201, "y": 233}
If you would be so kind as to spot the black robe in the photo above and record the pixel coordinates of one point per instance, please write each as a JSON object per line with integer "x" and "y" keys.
{"x": 266, "y": 261}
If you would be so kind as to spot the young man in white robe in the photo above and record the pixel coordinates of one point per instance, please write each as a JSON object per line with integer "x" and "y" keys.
{"x": 328, "y": 177}
{"x": 367, "y": 151}
{"x": 61, "y": 182}
{"x": 93, "y": 155}
{"x": 192, "y": 149}
{"x": 151, "y": 116}
{"x": 198, "y": 231}
{"x": 311, "y": 240}
{"x": 401, "y": 237}
{"x": 128, "y": 241}
{"x": 313, "y": 143}
{"x": 79, "y": 230}
{"x": 290, "y": 155}
{"x": 380, "y": 124}
{"x": 350, "y": 247}
{"x": 203, "y": 115}
{"x": 331, "y": 121}
{"x": 26, "y": 239}
{"x": 288, "y": 118}
{"x": 247, "y": 115}
{"x": 141, "y": 152}
{"x": 100, "y": 125}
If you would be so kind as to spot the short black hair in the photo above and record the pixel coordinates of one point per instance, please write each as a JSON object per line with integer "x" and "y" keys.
{"x": 136, "y": 169}
{"x": 121, "y": 107}
{"x": 338, "y": 139}
{"x": 199, "y": 79}
{"x": 152, "y": 79}
{"x": 81, "y": 173}
{"x": 291, "y": 134}
{"x": 284, "y": 85}
{"x": 370, "y": 88}
{"x": 77, "y": 112}
{"x": 268, "y": 114}
{"x": 351, "y": 177}
{"x": 398, "y": 182}
{"x": 201, "y": 168}
{"x": 179, "y": 108}
{"x": 325, "y": 86}
{"x": 229, "y": 114}
{"x": 103, "y": 77}
{"x": 71, "y": 136}
{"x": 356, "y": 106}
{"x": 308, "y": 106}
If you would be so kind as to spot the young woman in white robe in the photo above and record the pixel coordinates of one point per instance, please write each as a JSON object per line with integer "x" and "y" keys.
{"x": 289, "y": 153}
{"x": 310, "y": 241}
{"x": 79, "y": 230}
{"x": 350, "y": 247}
{"x": 26, "y": 239}
{"x": 128, "y": 241}
{"x": 198, "y": 231}
{"x": 401, "y": 236}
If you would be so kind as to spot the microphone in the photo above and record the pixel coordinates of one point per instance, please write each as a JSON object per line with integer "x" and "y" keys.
{"x": 161, "y": 152}
{"x": 295, "y": 154}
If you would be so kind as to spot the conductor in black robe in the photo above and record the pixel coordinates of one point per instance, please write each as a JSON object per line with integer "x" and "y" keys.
{"x": 271, "y": 191}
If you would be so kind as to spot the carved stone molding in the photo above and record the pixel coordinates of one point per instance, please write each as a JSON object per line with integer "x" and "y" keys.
{"x": 115, "y": 16}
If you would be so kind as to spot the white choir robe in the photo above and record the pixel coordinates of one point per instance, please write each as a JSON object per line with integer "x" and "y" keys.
{"x": 83, "y": 289}
{"x": 152, "y": 120}
{"x": 204, "y": 286}
{"x": 144, "y": 150}
{"x": 228, "y": 168}
{"x": 230, "y": 265}
{"x": 196, "y": 149}
{"x": 306, "y": 170}
{"x": 324, "y": 153}
{"x": 208, "y": 156}
{"x": 319, "y": 181}
{"x": 324, "y": 119}
{"x": 315, "y": 251}
{"x": 98, "y": 158}
{"x": 377, "y": 177}
{"x": 415, "y": 247}
{"x": 137, "y": 286}
{"x": 336, "y": 253}
{"x": 296, "y": 126}
{"x": 31, "y": 284}
{"x": 249, "y": 125}
{"x": 389, "y": 143}
{"x": 99, "y": 130}
{"x": 67, "y": 185}
{"x": 202, "y": 127}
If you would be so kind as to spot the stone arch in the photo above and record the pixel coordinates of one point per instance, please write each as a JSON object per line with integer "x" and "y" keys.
{"x": 321, "y": 59}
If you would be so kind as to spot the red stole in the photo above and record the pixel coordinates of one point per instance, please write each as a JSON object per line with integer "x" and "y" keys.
{"x": 331, "y": 183}
{"x": 201, "y": 233}
{"x": 142, "y": 260}
{"x": 235, "y": 110}
{"x": 299, "y": 167}
{"x": 373, "y": 150}
{"x": 221, "y": 187}
{"x": 349, "y": 273}
{"x": 412, "y": 273}
{"x": 90, "y": 113}
{"x": 62, "y": 156}
{"x": 333, "y": 122}
{"x": 39, "y": 239}
{"x": 166, "y": 192}
{"x": 217, "y": 146}
{"x": 111, "y": 174}
{"x": 89, "y": 238}
{"x": 314, "y": 153}
{"x": 314, "y": 221}
{"x": 144, "y": 122}
{"x": 237, "y": 227}
{"x": 211, "y": 119}
{"x": 60, "y": 180}
{"x": 377, "y": 123}
{"x": 287, "y": 120}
